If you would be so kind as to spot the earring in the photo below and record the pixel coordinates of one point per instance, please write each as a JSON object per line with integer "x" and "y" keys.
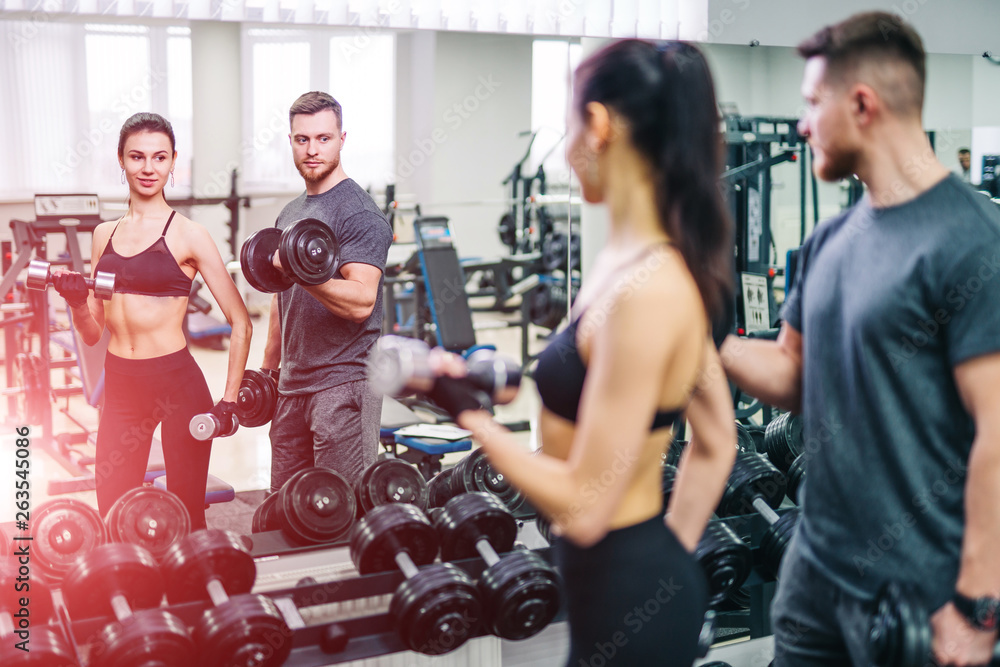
{"x": 171, "y": 179}
{"x": 123, "y": 177}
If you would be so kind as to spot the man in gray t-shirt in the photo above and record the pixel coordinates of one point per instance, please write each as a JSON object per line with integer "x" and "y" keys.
{"x": 320, "y": 335}
{"x": 890, "y": 347}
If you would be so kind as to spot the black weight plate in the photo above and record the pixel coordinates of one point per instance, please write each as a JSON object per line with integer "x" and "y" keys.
{"x": 127, "y": 570}
{"x": 544, "y": 527}
{"x": 391, "y": 481}
{"x": 468, "y": 517}
{"x": 153, "y": 518}
{"x": 757, "y": 433}
{"x": 554, "y": 252}
{"x": 48, "y": 649}
{"x": 796, "y": 475}
{"x": 899, "y": 632}
{"x": 149, "y": 637}
{"x": 752, "y": 475}
{"x": 318, "y": 506}
{"x": 62, "y": 530}
{"x": 205, "y": 555}
{"x": 39, "y": 594}
{"x": 387, "y": 530}
{"x": 668, "y": 476}
{"x": 744, "y": 439}
{"x": 248, "y": 630}
{"x": 439, "y": 488}
{"x": 437, "y": 610}
{"x": 256, "y": 262}
{"x": 547, "y": 305}
{"x": 267, "y": 517}
{"x": 257, "y": 398}
{"x": 521, "y": 595}
{"x": 474, "y": 473}
{"x": 308, "y": 251}
{"x": 774, "y": 542}
{"x": 783, "y": 440}
{"x": 726, "y": 560}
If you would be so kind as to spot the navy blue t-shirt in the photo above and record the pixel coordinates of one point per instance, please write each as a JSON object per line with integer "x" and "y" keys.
{"x": 888, "y": 302}
{"x": 318, "y": 349}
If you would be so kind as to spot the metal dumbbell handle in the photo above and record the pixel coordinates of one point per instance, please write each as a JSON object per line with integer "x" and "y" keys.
{"x": 121, "y": 607}
{"x": 405, "y": 564}
{"x": 217, "y": 592}
{"x": 39, "y": 277}
{"x": 487, "y": 551}
{"x": 765, "y": 510}
{"x": 207, "y": 426}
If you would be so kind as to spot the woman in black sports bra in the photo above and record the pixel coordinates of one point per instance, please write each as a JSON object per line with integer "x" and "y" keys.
{"x": 149, "y": 375}
{"x": 644, "y": 140}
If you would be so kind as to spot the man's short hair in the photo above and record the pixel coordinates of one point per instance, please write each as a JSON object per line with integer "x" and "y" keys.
{"x": 314, "y": 102}
{"x": 964, "y": 151}
{"x": 879, "y": 49}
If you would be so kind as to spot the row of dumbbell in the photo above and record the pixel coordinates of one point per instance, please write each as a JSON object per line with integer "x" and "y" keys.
{"x": 439, "y": 606}
{"x": 65, "y": 529}
{"x": 125, "y": 583}
{"x": 318, "y": 506}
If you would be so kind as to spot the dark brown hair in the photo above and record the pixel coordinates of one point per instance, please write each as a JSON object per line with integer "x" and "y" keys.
{"x": 145, "y": 122}
{"x": 877, "y": 38}
{"x": 665, "y": 94}
{"x": 314, "y": 102}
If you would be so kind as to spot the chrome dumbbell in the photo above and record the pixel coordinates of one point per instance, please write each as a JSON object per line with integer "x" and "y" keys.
{"x": 40, "y": 277}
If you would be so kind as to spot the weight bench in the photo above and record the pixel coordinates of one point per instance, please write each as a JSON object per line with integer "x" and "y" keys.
{"x": 217, "y": 491}
{"x": 424, "y": 452}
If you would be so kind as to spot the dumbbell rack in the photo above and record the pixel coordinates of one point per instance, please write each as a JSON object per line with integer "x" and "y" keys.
{"x": 68, "y": 215}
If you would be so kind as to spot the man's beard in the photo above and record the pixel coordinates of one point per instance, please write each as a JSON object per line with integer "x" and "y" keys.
{"x": 316, "y": 174}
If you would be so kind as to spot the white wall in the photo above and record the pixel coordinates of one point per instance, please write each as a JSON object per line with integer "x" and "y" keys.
{"x": 952, "y": 26}
{"x": 469, "y": 97}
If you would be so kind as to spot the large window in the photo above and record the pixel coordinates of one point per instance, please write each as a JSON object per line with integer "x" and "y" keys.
{"x": 552, "y": 65}
{"x": 67, "y": 89}
{"x": 357, "y": 68}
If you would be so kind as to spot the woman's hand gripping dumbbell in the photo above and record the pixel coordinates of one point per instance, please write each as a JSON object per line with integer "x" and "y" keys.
{"x": 399, "y": 365}
{"x": 254, "y": 406}
{"x": 72, "y": 286}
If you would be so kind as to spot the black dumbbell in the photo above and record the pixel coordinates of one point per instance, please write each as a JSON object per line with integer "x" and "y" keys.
{"x": 899, "y": 630}
{"x": 239, "y": 628}
{"x": 115, "y": 580}
{"x": 390, "y": 480}
{"x": 520, "y": 590}
{"x": 153, "y": 518}
{"x": 438, "y": 607}
{"x": 724, "y": 557}
{"x": 307, "y": 250}
{"x": 399, "y": 364}
{"x": 316, "y": 506}
{"x": 796, "y": 474}
{"x": 24, "y": 624}
{"x": 744, "y": 439}
{"x": 255, "y": 404}
{"x": 755, "y": 485}
{"x": 62, "y": 530}
{"x": 474, "y": 473}
{"x": 267, "y": 516}
{"x": 783, "y": 440}
{"x": 40, "y": 277}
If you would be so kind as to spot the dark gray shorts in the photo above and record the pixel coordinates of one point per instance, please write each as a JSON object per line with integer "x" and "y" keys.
{"x": 335, "y": 428}
{"x": 815, "y": 622}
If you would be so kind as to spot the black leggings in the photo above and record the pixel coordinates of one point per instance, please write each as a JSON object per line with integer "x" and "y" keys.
{"x": 635, "y": 598}
{"x": 138, "y": 395}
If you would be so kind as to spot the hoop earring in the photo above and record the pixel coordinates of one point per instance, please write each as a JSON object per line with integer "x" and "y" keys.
{"x": 171, "y": 179}
{"x": 123, "y": 177}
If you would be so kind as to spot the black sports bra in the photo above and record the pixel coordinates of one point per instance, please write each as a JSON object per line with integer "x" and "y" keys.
{"x": 559, "y": 377}
{"x": 153, "y": 272}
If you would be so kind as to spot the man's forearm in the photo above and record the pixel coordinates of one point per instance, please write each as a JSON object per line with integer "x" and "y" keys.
{"x": 979, "y": 575}
{"x": 272, "y": 347}
{"x": 763, "y": 369}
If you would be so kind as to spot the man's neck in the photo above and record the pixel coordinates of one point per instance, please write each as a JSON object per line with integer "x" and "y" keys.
{"x": 899, "y": 165}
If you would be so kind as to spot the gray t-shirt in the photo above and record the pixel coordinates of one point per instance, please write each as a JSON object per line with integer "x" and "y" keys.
{"x": 888, "y": 302}
{"x": 318, "y": 349}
